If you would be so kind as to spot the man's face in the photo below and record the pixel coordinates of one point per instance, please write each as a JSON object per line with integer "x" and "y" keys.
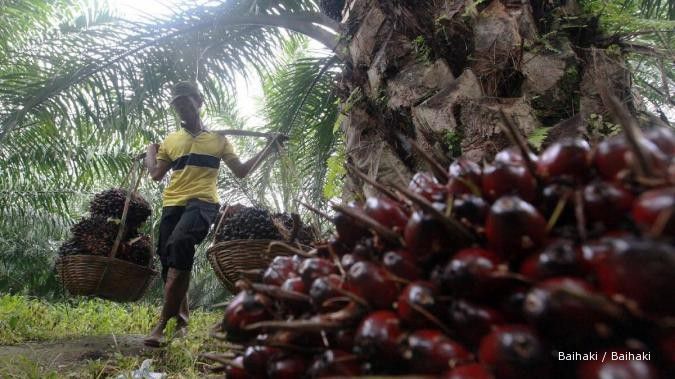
{"x": 187, "y": 108}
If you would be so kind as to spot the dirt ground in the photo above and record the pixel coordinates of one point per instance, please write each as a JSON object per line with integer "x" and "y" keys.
{"x": 65, "y": 354}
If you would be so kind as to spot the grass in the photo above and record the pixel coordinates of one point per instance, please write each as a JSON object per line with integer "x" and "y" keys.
{"x": 24, "y": 319}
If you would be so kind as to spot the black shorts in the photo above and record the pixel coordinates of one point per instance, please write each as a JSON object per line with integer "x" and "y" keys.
{"x": 180, "y": 230}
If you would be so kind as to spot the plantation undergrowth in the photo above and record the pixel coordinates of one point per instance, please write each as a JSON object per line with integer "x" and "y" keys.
{"x": 29, "y": 325}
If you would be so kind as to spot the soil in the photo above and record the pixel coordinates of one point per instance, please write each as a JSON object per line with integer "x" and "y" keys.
{"x": 65, "y": 354}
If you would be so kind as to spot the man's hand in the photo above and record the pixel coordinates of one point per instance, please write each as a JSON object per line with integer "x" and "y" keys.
{"x": 157, "y": 169}
{"x": 277, "y": 140}
{"x": 152, "y": 149}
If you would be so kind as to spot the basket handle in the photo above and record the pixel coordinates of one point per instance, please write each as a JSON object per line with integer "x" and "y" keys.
{"x": 220, "y": 223}
{"x": 133, "y": 186}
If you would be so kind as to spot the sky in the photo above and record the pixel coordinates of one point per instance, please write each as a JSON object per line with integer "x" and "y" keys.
{"x": 249, "y": 94}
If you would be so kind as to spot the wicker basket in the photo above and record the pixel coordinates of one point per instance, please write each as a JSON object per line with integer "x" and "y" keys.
{"x": 108, "y": 277}
{"x": 231, "y": 259}
{"x": 104, "y": 277}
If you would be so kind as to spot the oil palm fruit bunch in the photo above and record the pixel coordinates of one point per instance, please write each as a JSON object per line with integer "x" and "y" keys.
{"x": 552, "y": 265}
{"x": 248, "y": 223}
{"x": 95, "y": 234}
{"x": 71, "y": 247}
{"x": 286, "y": 224}
{"x": 110, "y": 203}
{"x": 137, "y": 250}
{"x": 332, "y": 8}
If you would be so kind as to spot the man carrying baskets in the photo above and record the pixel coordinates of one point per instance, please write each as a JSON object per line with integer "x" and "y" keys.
{"x": 190, "y": 201}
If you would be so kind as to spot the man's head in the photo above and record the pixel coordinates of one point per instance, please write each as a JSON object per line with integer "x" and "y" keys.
{"x": 186, "y": 100}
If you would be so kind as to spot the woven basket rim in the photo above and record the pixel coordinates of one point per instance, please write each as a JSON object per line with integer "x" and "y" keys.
{"x": 63, "y": 259}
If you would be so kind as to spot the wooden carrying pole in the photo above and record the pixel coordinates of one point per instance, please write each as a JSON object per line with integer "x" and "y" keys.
{"x": 229, "y": 132}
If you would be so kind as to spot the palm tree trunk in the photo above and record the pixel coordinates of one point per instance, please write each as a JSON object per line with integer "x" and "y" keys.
{"x": 440, "y": 72}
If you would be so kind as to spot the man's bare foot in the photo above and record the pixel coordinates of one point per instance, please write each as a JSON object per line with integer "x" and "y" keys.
{"x": 181, "y": 329}
{"x": 156, "y": 336}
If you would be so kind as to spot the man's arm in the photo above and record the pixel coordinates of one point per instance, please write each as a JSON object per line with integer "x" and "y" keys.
{"x": 156, "y": 168}
{"x": 241, "y": 170}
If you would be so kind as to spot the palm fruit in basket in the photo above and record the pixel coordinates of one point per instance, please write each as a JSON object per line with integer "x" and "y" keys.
{"x": 304, "y": 235}
{"x": 573, "y": 277}
{"x": 71, "y": 247}
{"x": 137, "y": 250}
{"x": 110, "y": 203}
{"x": 95, "y": 234}
{"x": 248, "y": 223}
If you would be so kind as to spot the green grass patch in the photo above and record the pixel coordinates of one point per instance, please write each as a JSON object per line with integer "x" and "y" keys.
{"x": 24, "y": 319}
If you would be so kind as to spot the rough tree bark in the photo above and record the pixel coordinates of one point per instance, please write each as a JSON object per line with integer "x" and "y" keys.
{"x": 439, "y": 72}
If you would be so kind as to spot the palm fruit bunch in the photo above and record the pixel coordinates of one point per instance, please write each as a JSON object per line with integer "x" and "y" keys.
{"x": 552, "y": 265}
{"x": 110, "y": 203}
{"x": 286, "y": 224}
{"x": 96, "y": 234}
{"x": 248, "y": 223}
{"x": 137, "y": 250}
{"x": 332, "y": 8}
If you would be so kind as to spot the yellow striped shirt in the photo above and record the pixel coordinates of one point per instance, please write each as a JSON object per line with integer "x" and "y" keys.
{"x": 194, "y": 163}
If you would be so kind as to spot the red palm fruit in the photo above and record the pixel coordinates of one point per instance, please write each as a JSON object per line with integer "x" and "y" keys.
{"x": 246, "y": 308}
{"x": 512, "y": 306}
{"x": 606, "y": 203}
{"x": 595, "y": 252}
{"x": 425, "y": 236}
{"x": 569, "y": 312}
{"x": 402, "y": 264}
{"x": 425, "y": 185}
{"x": 473, "y": 321}
{"x": 552, "y": 195}
{"x": 324, "y": 288}
{"x": 386, "y": 212}
{"x": 338, "y": 247}
{"x": 421, "y": 295}
{"x": 279, "y": 270}
{"x": 465, "y": 177}
{"x": 501, "y": 179}
{"x": 641, "y": 271}
{"x": 294, "y": 284}
{"x": 236, "y": 369}
{"x": 514, "y": 228}
{"x": 666, "y": 346}
{"x": 617, "y": 364}
{"x": 347, "y": 230}
{"x": 470, "y": 208}
{"x": 312, "y": 268}
{"x": 611, "y": 157}
{"x": 344, "y": 339}
{"x": 656, "y": 206}
{"x": 663, "y": 138}
{"x": 256, "y": 359}
{"x": 513, "y": 155}
{"x": 559, "y": 258}
{"x": 514, "y": 352}
{"x": 568, "y": 158}
{"x": 469, "y": 272}
{"x": 470, "y": 371}
{"x": 378, "y": 337}
{"x": 348, "y": 260}
{"x": 372, "y": 283}
{"x": 431, "y": 352}
{"x": 287, "y": 368}
{"x": 335, "y": 363}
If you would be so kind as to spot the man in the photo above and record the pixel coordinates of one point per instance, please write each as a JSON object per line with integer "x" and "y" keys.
{"x": 190, "y": 201}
